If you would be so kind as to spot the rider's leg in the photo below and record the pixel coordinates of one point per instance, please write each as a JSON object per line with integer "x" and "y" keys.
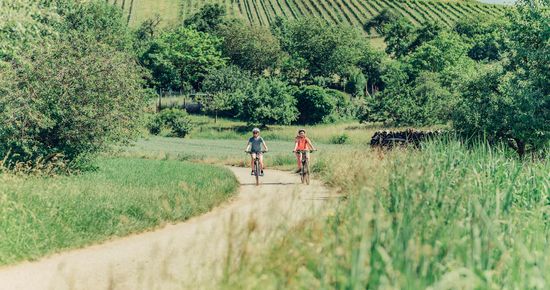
{"x": 252, "y": 156}
{"x": 299, "y": 159}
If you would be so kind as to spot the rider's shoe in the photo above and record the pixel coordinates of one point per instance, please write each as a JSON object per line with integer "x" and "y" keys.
{"x": 252, "y": 172}
{"x": 298, "y": 170}
{"x": 262, "y": 173}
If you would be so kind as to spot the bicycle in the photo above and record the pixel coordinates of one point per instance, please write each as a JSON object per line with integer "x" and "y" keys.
{"x": 304, "y": 171}
{"x": 257, "y": 170}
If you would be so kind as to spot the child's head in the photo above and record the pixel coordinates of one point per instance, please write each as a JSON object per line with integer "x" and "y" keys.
{"x": 256, "y": 132}
{"x": 302, "y": 133}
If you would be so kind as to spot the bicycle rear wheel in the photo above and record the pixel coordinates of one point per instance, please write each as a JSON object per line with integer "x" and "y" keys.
{"x": 306, "y": 172}
{"x": 257, "y": 171}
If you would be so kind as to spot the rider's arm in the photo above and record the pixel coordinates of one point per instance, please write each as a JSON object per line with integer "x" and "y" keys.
{"x": 310, "y": 144}
{"x": 247, "y": 147}
{"x": 265, "y": 145}
{"x": 295, "y": 146}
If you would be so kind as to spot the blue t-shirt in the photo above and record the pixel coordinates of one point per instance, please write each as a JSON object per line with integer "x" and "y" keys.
{"x": 256, "y": 144}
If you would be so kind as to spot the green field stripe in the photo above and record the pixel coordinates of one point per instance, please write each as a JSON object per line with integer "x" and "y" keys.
{"x": 264, "y": 12}
{"x": 420, "y": 7}
{"x": 461, "y": 14}
{"x": 489, "y": 9}
{"x": 375, "y": 5}
{"x": 440, "y": 17}
{"x": 333, "y": 9}
{"x": 445, "y": 6}
{"x": 365, "y": 14}
{"x": 283, "y": 13}
{"x": 354, "y": 12}
{"x": 241, "y": 8}
{"x": 313, "y": 9}
{"x": 340, "y": 11}
{"x": 421, "y": 15}
{"x": 323, "y": 12}
{"x": 130, "y": 10}
{"x": 468, "y": 9}
{"x": 447, "y": 13}
{"x": 248, "y": 12}
{"x": 257, "y": 12}
{"x": 301, "y": 10}
{"x": 349, "y": 13}
{"x": 403, "y": 12}
{"x": 275, "y": 8}
{"x": 291, "y": 9}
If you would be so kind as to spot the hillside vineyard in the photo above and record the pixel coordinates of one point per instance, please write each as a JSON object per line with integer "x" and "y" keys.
{"x": 352, "y": 12}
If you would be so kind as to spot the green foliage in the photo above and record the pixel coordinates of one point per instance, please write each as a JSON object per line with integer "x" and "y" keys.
{"x": 177, "y": 121}
{"x": 315, "y": 105}
{"x": 98, "y": 18}
{"x": 356, "y": 83}
{"x": 182, "y": 57}
{"x": 487, "y": 38}
{"x": 252, "y": 48}
{"x": 513, "y": 101}
{"x": 339, "y": 139}
{"x": 73, "y": 99}
{"x": 207, "y": 19}
{"x": 323, "y": 49}
{"x": 446, "y": 50}
{"x": 378, "y": 22}
{"x": 269, "y": 101}
{"x": 398, "y": 36}
{"x": 229, "y": 83}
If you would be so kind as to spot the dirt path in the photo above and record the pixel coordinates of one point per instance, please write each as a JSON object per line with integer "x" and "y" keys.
{"x": 190, "y": 255}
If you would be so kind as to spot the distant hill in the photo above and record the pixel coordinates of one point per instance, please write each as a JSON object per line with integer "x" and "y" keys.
{"x": 353, "y": 12}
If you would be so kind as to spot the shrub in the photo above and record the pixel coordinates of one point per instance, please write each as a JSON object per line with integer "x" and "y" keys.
{"x": 356, "y": 82}
{"x": 270, "y": 101}
{"x": 339, "y": 139}
{"x": 315, "y": 104}
{"x": 75, "y": 99}
{"x": 177, "y": 121}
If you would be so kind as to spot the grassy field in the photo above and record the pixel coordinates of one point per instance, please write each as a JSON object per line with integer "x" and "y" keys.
{"x": 447, "y": 217}
{"x": 40, "y": 215}
{"x": 351, "y": 12}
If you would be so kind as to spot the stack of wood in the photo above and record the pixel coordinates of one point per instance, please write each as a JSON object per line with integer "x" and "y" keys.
{"x": 389, "y": 139}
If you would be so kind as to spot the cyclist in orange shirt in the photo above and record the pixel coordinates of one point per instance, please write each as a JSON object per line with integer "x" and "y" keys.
{"x": 302, "y": 144}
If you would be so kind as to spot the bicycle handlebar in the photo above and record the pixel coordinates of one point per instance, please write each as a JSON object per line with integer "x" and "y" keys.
{"x": 302, "y": 151}
{"x": 249, "y": 152}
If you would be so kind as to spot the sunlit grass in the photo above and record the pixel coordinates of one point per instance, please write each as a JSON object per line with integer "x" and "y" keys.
{"x": 41, "y": 215}
{"x": 446, "y": 217}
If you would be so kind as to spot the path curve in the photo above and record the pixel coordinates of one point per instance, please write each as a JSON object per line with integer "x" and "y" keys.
{"x": 189, "y": 255}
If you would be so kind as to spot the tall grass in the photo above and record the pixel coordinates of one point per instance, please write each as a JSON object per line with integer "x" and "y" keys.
{"x": 40, "y": 215}
{"x": 446, "y": 217}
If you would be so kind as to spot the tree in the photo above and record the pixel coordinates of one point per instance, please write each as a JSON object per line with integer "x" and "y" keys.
{"x": 323, "y": 48}
{"x": 486, "y": 37}
{"x": 182, "y": 57}
{"x": 398, "y": 36}
{"x": 512, "y": 102}
{"x": 208, "y": 19}
{"x": 252, "y": 48}
{"x": 269, "y": 101}
{"x": 315, "y": 104}
{"x": 379, "y": 21}
{"x": 227, "y": 84}
{"x": 75, "y": 98}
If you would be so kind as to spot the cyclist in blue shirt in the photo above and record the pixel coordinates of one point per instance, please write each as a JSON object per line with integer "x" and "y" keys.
{"x": 254, "y": 146}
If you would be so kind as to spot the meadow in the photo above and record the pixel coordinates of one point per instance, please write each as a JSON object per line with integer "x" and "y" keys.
{"x": 447, "y": 217}
{"x": 43, "y": 215}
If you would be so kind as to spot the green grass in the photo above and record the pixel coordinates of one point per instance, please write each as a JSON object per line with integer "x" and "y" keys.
{"x": 446, "y": 217}
{"x": 39, "y": 215}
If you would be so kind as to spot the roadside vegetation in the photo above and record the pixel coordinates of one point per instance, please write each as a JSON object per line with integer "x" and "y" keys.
{"x": 444, "y": 217}
{"x": 45, "y": 215}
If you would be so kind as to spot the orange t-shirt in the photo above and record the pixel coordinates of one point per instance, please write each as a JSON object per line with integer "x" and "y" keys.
{"x": 303, "y": 143}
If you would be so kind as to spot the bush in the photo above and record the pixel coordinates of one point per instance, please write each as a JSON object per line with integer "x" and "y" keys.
{"x": 177, "y": 121}
{"x": 269, "y": 101}
{"x": 315, "y": 104}
{"x": 75, "y": 99}
{"x": 339, "y": 139}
